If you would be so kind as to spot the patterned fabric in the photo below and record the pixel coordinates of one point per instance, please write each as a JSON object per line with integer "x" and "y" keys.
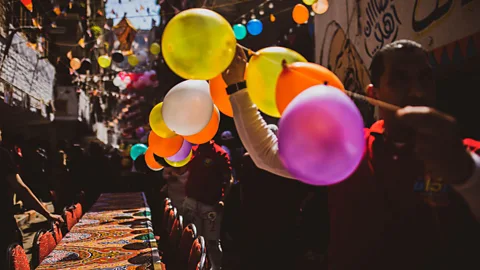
{"x": 46, "y": 244}
{"x": 19, "y": 259}
{"x": 115, "y": 234}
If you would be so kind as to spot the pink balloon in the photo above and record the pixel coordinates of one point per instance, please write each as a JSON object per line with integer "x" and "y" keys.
{"x": 320, "y": 136}
{"x": 182, "y": 153}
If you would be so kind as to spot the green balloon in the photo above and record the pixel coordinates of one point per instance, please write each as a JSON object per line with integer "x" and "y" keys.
{"x": 240, "y": 31}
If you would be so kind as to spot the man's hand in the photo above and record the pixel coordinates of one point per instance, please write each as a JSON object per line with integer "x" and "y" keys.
{"x": 235, "y": 73}
{"x": 55, "y": 218}
{"x": 439, "y": 144}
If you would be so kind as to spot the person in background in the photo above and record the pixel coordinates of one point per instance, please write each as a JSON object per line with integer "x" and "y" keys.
{"x": 13, "y": 183}
{"x": 270, "y": 206}
{"x": 414, "y": 200}
{"x": 234, "y": 151}
{"x": 209, "y": 174}
{"x": 62, "y": 184}
{"x": 176, "y": 179}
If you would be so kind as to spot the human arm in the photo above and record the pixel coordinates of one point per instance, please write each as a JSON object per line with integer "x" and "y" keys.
{"x": 30, "y": 200}
{"x": 258, "y": 140}
{"x": 440, "y": 146}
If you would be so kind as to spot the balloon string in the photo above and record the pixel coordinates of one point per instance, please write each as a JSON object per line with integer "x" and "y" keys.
{"x": 357, "y": 96}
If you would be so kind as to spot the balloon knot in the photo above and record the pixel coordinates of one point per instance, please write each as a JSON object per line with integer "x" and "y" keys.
{"x": 284, "y": 64}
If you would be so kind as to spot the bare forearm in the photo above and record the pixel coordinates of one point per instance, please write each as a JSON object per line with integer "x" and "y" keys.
{"x": 30, "y": 200}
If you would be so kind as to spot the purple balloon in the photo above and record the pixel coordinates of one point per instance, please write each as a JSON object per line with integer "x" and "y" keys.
{"x": 320, "y": 136}
{"x": 140, "y": 132}
{"x": 182, "y": 153}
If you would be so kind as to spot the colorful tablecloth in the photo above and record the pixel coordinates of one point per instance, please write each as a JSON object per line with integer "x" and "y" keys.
{"x": 115, "y": 234}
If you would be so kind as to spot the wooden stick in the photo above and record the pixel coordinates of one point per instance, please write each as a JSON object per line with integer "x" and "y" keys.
{"x": 373, "y": 101}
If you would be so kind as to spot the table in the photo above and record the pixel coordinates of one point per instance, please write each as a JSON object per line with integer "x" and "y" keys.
{"x": 115, "y": 234}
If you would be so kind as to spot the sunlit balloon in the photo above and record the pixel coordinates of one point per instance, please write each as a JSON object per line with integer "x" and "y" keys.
{"x": 300, "y": 14}
{"x": 180, "y": 163}
{"x": 75, "y": 63}
{"x": 207, "y": 132}
{"x": 198, "y": 44}
{"x": 104, "y": 61}
{"x": 158, "y": 124}
{"x": 254, "y": 27}
{"x": 300, "y": 76}
{"x": 164, "y": 147}
{"x": 137, "y": 150}
{"x": 151, "y": 162}
{"x": 240, "y": 31}
{"x": 187, "y": 107}
{"x": 320, "y": 136}
{"x": 133, "y": 60}
{"x": 182, "y": 153}
{"x": 262, "y": 73}
{"x": 155, "y": 48}
{"x": 309, "y": 2}
{"x": 320, "y": 7}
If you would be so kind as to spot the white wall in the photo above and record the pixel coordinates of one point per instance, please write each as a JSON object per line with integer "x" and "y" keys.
{"x": 350, "y": 32}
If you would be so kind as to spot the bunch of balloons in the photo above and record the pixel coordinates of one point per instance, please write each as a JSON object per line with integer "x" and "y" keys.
{"x": 186, "y": 117}
{"x": 320, "y": 130}
{"x": 136, "y": 80}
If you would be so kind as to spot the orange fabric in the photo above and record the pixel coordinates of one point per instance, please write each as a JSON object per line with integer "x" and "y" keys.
{"x": 186, "y": 242}
{"x": 19, "y": 259}
{"x": 58, "y": 233}
{"x": 196, "y": 254}
{"x": 46, "y": 244}
{"x": 70, "y": 219}
{"x": 78, "y": 211}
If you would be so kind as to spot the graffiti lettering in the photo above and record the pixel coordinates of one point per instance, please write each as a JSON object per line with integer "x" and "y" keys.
{"x": 438, "y": 12}
{"x": 381, "y": 26}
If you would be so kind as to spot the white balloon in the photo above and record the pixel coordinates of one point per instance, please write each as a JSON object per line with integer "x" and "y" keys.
{"x": 117, "y": 81}
{"x": 142, "y": 56}
{"x": 187, "y": 107}
{"x": 127, "y": 80}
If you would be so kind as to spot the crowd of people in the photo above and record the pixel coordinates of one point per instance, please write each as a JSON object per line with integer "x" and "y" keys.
{"x": 254, "y": 215}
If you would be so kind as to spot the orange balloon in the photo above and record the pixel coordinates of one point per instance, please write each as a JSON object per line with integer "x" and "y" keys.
{"x": 164, "y": 147}
{"x": 218, "y": 91}
{"x": 209, "y": 131}
{"x": 150, "y": 160}
{"x": 300, "y": 14}
{"x": 299, "y": 76}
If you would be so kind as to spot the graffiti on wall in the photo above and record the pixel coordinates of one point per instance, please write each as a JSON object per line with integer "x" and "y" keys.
{"x": 342, "y": 58}
{"x": 381, "y": 25}
{"x": 437, "y": 10}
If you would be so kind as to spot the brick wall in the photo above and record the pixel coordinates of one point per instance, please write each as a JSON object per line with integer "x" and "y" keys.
{"x": 25, "y": 71}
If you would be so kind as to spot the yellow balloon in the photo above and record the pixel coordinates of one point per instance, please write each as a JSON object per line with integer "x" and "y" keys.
{"x": 104, "y": 61}
{"x": 133, "y": 60}
{"x": 198, "y": 44}
{"x": 157, "y": 124}
{"x": 309, "y": 2}
{"x": 180, "y": 163}
{"x": 155, "y": 48}
{"x": 263, "y": 70}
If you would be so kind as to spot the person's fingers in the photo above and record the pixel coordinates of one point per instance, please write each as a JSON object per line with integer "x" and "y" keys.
{"x": 426, "y": 120}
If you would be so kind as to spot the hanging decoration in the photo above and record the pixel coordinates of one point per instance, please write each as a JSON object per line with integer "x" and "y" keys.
{"x": 320, "y": 7}
{"x": 240, "y": 31}
{"x": 125, "y": 33}
{"x": 28, "y": 5}
{"x": 300, "y": 14}
{"x": 104, "y": 61}
{"x": 255, "y": 27}
{"x": 75, "y": 63}
{"x": 155, "y": 48}
{"x": 118, "y": 57}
